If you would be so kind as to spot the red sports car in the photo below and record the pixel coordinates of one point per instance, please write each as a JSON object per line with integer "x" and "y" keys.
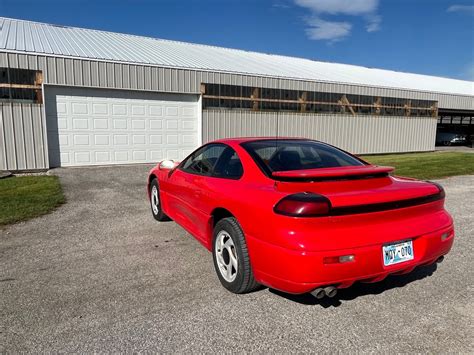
{"x": 300, "y": 215}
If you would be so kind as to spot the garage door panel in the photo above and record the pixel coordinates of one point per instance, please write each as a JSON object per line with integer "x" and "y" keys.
{"x": 100, "y": 109}
{"x": 100, "y": 123}
{"x": 102, "y": 157}
{"x": 156, "y": 111}
{"x": 156, "y": 124}
{"x": 119, "y": 109}
{"x": 90, "y": 126}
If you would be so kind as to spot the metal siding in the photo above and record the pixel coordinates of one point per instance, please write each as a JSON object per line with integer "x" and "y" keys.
{"x": 12, "y": 60}
{"x": 22, "y": 61}
{"x": 32, "y": 62}
{"x": 118, "y": 78}
{"x": 50, "y": 76}
{"x": 69, "y": 74}
{"x": 3, "y": 155}
{"x": 167, "y": 79}
{"x": 102, "y": 74}
{"x": 4, "y": 59}
{"x": 140, "y": 85}
{"x": 38, "y": 137}
{"x": 147, "y": 75}
{"x": 22, "y": 137}
{"x": 27, "y": 121}
{"x": 78, "y": 75}
{"x": 86, "y": 73}
{"x": 60, "y": 71}
{"x": 110, "y": 75}
{"x": 9, "y": 136}
{"x": 125, "y": 76}
{"x": 94, "y": 74}
{"x": 187, "y": 81}
{"x": 180, "y": 82}
{"x": 360, "y": 134}
{"x": 155, "y": 84}
{"x": 133, "y": 77}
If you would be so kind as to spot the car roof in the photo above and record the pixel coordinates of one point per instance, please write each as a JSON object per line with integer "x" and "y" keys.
{"x": 238, "y": 140}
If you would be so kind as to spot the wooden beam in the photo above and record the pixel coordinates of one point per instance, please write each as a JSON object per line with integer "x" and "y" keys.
{"x": 302, "y": 101}
{"x": 39, "y": 82}
{"x": 378, "y": 105}
{"x": 345, "y": 101}
{"x": 408, "y": 108}
{"x": 255, "y": 98}
{"x": 19, "y": 86}
{"x": 434, "y": 110}
{"x": 39, "y": 78}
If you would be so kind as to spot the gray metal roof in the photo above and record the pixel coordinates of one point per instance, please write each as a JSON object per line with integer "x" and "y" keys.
{"x": 40, "y": 38}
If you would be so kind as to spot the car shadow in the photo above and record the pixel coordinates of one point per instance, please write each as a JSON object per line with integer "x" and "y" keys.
{"x": 361, "y": 289}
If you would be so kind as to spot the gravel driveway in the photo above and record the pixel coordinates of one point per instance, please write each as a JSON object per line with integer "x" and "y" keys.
{"x": 99, "y": 274}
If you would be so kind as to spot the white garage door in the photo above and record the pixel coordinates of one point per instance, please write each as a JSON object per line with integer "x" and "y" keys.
{"x": 100, "y": 126}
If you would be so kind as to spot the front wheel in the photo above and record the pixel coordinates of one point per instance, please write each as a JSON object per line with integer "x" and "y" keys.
{"x": 231, "y": 259}
{"x": 155, "y": 202}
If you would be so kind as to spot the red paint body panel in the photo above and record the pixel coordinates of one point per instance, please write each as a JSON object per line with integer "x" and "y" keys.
{"x": 287, "y": 253}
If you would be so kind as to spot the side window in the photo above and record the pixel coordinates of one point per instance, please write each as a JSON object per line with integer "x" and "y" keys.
{"x": 229, "y": 165}
{"x": 203, "y": 160}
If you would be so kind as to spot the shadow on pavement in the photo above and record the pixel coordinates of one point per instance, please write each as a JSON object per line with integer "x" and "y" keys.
{"x": 361, "y": 289}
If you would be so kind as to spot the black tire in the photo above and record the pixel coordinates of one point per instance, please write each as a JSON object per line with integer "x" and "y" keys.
{"x": 156, "y": 210}
{"x": 447, "y": 143}
{"x": 244, "y": 281}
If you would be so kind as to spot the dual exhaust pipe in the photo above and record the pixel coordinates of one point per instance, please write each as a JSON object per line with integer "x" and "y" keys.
{"x": 329, "y": 291}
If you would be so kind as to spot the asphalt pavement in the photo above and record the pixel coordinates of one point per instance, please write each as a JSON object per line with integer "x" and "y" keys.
{"x": 99, "y": 274}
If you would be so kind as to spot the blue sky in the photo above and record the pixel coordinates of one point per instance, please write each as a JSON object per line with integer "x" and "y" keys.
{"x": 434, "y": 37}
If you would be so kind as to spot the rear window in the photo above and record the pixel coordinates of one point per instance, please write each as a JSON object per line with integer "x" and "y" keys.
{"x": 283, "y": 155}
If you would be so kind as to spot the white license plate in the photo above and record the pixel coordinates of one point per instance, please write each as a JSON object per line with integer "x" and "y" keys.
{"x": 397, "y": 253}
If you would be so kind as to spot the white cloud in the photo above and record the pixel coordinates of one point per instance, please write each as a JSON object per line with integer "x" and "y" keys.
{"x": 327, "y": 30}
{"x": 281, "y": 5}
{"x": 461, "y": 8}
{"x": 373, "y": 24}
{"x": 324, "y": 29}
{"x": 334, "y": 7}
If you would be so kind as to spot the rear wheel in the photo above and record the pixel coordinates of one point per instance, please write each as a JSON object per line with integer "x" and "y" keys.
{"x": 155, "y": 202}
{"x": 231, "y": 259}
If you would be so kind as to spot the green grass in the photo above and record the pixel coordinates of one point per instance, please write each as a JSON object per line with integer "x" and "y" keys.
{"x": 26, "y": 197}
{"x": 434, "y": 165}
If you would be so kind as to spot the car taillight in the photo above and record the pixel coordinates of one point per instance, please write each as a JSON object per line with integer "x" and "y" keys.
{"x": 303, "y": 204}
{"x": 441, "y": 192}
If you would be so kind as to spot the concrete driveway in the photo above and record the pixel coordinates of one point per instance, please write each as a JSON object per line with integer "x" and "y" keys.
{"x": 99, "y": 274}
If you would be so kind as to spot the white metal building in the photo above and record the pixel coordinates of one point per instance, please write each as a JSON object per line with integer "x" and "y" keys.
{"x": 72, "y": 96}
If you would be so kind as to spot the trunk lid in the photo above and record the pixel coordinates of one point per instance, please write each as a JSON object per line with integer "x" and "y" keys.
{"x": 377, "y": 187}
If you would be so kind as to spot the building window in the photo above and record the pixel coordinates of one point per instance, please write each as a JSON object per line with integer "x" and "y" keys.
{"x": 267, "y": 99}
{"x": 21, "y": 85}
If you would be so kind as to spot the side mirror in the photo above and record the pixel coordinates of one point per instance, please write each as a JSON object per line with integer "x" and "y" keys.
{"x": 167, "y": 164}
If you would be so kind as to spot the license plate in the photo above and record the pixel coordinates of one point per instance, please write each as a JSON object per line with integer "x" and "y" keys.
{"x": 397, "y": 253}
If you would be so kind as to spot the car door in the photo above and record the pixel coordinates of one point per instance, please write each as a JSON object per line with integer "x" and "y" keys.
{"x": 188, "y": 189}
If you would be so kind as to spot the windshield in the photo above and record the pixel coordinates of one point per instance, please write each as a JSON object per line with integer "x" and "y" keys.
{"x": 283, "y": 155}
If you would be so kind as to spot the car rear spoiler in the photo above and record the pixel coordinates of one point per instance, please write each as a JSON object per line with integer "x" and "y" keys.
{"x": 339, "y": 173}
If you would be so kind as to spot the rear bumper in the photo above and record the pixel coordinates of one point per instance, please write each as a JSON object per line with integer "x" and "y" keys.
{"x": 301, "y": 271}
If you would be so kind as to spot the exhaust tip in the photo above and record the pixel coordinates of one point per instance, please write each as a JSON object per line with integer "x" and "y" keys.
{"x": 440, "y": 259}
{"x": 330, "y": 291}
{"x": 318, "y": 293}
